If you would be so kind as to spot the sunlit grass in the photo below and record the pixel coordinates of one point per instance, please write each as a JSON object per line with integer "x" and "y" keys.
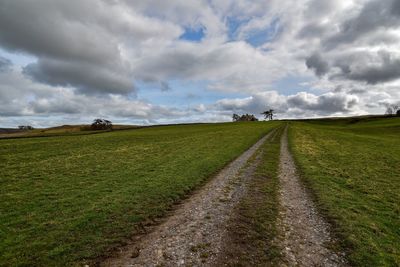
{"x": 66, "y": 199}
{"x": 353, "y": 168}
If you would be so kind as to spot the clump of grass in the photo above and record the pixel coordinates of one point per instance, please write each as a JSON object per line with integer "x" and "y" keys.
{"x": 353, "y": 170}
{"x": 204, "y": 255}
{"x": 199, "y": 247}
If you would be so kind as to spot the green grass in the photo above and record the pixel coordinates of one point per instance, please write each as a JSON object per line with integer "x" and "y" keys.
{"x": 67, "y": 199}
{"x": 353, "y": 169}
{"x": 253, "y": 226}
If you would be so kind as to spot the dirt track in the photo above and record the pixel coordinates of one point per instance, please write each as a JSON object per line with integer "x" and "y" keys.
{"x": 192, "y": 236}
{"x": 305, "y": 235}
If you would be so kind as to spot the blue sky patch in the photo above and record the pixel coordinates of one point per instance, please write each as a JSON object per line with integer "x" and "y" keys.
{"x": 233, "y": 24}
{"x": 291, "y": 85}
{"x": 19, "y": 59}
{"x": 193, "y": 34}
{"x": 182, "y": 93}
{"x": 260, "y": 37}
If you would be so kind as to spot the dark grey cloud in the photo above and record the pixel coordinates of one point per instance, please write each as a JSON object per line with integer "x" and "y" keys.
{"x": 388, "y": 71}
{"x": 5, "y": 64}
{"x": 375, "y": 15}
{"x": 358, "y": 46}
{"x": 87, "y": 78}
{"x": 370, "y": 67}
{"x": 58, "y": 29}
{"x": 297, "y": 105}
{"x": 325, "y": 104}
{"x": 395, "y": 8}
{"x": 318, "y": 64}
{"x": 71, "y": 41}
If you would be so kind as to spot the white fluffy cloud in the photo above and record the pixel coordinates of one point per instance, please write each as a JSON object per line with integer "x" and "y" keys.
{"x": 92, "y": 55}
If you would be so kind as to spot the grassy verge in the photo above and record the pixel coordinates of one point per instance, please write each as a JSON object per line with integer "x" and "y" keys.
{"x": 253, "y": 226}
{"x": 71, "y": 198}
{"x": 353, "y": 169}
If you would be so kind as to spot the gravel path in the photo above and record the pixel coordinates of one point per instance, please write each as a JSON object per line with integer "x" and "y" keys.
{"x": 193, "y": 235}
{"x": 305, "y": 235}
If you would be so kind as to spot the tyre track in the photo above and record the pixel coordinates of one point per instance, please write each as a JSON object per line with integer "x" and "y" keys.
{"x": 305, "y": 236}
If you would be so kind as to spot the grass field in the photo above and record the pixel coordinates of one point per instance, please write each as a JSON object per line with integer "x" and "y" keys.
{"x": 352, "y": 167}
{"x": 70, "y": 198}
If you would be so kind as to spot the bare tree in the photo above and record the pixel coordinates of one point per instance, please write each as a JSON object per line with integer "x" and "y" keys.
{"x": 268, "y": 114}
{"x": 392, "y": 109}
{"x": 271, "y": 114}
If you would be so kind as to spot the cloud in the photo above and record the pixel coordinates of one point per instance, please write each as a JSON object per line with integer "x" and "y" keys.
{"x": 255, "y": 103}
{"x": 355, "y": 42}
{"x": 328, "y": 103}
{"x": 21, "y": 97}
{"x": 86, "y": 57}
{"x": 373, "y": 68}
{"x": 5, "y": 64}
{"x": 296, "y": 105}
{"x": 374, "y": 15}
{"x": 85, "y": 77}
{"x": 316, "y": 63}
{"x": 31, "y": 100}
{"x": 79, "y": 43}
{"x": 232, "y": 66}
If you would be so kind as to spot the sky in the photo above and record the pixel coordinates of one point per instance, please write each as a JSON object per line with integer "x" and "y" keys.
{"x": 156, "y": 61}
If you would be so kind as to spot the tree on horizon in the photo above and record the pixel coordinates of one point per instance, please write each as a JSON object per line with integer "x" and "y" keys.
{"x": 101, "y": 124}
{"x": 268, "y": 114}
{"x": 393, "y": 109}
{"x": 244, "y": 117}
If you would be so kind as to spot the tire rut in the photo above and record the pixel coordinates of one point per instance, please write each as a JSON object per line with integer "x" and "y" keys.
{"x": 305, "y": 236}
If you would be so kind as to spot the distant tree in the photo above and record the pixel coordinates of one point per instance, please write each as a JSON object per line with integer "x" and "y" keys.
{"x": 392, "y": 109}
{"x": 101, "y": 124}
{"x": 244, "y": 117}
{"x": 398, "y": 113}
{"x": 268, "y": 114}
{"x": 25, "y": 127}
